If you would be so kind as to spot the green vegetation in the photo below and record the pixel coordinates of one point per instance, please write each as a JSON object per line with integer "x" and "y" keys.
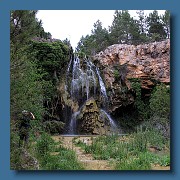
{"x": 37, "y": 63}
{"x": 62, "y": 159}
{"x": 160, "y": 102}
{"x": 140, "y": 105}
{"x": 126, "y": 30}
{"x": 130, "y": 152}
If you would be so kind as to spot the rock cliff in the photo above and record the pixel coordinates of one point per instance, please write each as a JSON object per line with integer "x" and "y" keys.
{"x": 148, "y": 62}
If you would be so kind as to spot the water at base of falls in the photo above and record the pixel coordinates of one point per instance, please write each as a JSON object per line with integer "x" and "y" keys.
{"x": 72, "y": 125}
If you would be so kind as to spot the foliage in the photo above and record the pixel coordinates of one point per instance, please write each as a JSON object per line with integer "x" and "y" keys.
{"x": 54, "y": 127}
{"x": 156, "y": 30}
{"x": 160, "y": 101}
{"x": 96, "y": 42}
{"x": 139, "y": 103}
{"x": 14, "y": 148}
{"x": 64, "y": 160}
{"x": 35, "y": 70}
{"x": 26, "y": 88}
{"x": 50, "y": 57}
{"x": 44, "y": 144}
{"x": 129, "y": 152}
{"x": 126, "y": 30}
{"x": 160, "y": 109}
{"x": 166, "y": 22}
{"x": 23, "y": 26}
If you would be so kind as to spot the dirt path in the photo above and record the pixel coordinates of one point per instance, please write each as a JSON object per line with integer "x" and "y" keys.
{"x": 89, "y": 163}
{"x": 86, "y": 159}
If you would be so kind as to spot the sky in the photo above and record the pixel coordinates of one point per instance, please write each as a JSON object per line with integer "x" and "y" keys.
{"x": 73, "y": 24}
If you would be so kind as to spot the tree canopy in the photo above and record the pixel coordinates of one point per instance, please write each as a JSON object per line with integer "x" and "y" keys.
{"x": 126, "y": 30}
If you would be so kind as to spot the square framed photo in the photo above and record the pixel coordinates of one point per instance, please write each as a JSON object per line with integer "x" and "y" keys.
{"x": 90, "y": 89}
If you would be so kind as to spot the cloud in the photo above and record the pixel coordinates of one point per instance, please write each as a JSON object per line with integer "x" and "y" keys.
{"x": 72, "y": 24}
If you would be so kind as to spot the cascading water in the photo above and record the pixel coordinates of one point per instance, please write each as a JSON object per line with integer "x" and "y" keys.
{"x": 103, "y": 89}
{"x": 72, "y": 125}
{"x": 111, "y": 121}
{"x": 84, "y": 76}
{"x": 82, "y": 79}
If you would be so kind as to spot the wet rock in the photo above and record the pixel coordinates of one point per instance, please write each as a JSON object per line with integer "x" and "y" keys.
{"x": 89, "y": 120}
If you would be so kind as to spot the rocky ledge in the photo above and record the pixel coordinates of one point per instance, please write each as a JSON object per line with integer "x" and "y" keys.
{"x": 148, "y": 62}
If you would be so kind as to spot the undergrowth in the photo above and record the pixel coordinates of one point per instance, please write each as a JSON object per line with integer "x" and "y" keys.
{"x": 53, "y": 156}
{"x": 130, "y": 152}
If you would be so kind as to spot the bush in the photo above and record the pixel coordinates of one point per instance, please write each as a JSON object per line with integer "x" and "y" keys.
{"x": 160, "y": 109}
{"x": 45, "y": 145}
{"x": 54, "y": 127}
{"x": 142, "y": 108}
{"x": 160, "y": 102}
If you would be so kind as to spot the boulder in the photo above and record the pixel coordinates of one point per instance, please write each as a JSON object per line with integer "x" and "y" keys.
{"x": 89, "y": 120}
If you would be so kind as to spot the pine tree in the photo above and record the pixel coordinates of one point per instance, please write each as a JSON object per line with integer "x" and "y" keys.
{"x": 155, "y": 27}
{"x": 124, "y": 28}
{"x": 142, "y": 26}
{"x": 24, "y": 77}
{"x": 100, "y": 36}
{"x": 166, "y": 23}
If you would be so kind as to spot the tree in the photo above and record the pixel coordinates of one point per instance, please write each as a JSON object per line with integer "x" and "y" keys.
{"x": 67, "y": 42}
{"x": 24, "y": 78}
{"x": 142, "y": 26}
{"x": 87, "y": 45}
{"x": 155, "y": 27}
{"x": 100, "y": 36}
{"x": 166, "y": 23}
{"x": 96, "y": 42}
{"x": 160, "y": 101}
{"x": 23, "y": 26}
{"x": 124, "y": 28}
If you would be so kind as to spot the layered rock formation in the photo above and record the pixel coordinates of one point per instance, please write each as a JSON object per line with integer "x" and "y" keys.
{"x": 147, "y": 61}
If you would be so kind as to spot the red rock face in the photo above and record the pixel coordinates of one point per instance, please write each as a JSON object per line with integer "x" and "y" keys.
{"x": 146, "y": 61}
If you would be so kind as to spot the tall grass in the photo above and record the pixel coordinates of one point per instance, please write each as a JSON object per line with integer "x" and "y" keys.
{"x": 130, "y": 152}
{"x": 63, "y": 159}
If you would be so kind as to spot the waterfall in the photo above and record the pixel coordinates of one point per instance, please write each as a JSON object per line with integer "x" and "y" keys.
{"x": 111, "y": 121}
{"x": 103, "y": 88}
{"x": 85, "y": 79}
{"x": 82, "y": 78}
{"x": 72, "y": 125}
{"x": 76, "y": 72}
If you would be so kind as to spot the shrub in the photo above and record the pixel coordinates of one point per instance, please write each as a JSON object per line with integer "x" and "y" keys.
{"x": 139, "y": 104}
{"x": 44, "y": 145}
{"x": 160, "y": 102}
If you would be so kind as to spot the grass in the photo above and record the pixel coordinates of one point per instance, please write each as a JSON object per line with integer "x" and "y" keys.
{"x": 127, "y": 153}
{"x": 63, "y": 159}
{"x": 131, "y": 153}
